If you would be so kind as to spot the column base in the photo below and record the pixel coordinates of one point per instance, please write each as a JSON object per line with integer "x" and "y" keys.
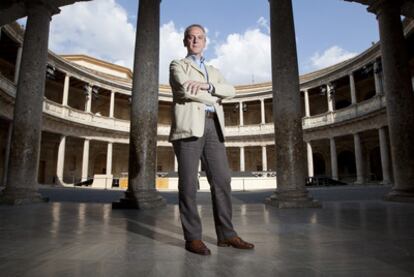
{"x": 292, "y": 199}
{"x": 140, "y": 200}
{"x": 400, "y": 196}
{"x": 386, "y": 183}
{"x": 21, "y": 197}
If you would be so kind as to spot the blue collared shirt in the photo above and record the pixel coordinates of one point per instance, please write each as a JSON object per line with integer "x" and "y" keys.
{"x": 200, "y": 63}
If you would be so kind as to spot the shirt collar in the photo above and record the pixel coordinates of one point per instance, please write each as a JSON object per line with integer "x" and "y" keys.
{"x": 195, "y": 59}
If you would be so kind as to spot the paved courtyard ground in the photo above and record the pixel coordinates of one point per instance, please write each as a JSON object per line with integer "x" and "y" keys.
{"x": 77, "y": 233}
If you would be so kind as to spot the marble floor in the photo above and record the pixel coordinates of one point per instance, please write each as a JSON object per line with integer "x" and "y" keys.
{"x": 349, "y": 236}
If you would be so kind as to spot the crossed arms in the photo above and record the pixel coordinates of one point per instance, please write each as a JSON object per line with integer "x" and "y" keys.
{"x": 184, "y": 88}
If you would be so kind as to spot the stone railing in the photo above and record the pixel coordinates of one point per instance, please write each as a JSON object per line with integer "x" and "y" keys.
{"x": 7, "y": 86}
{"x": 81, "y": 117}
{"x": 358, "y": 110}
{"x": 248, "y": 130}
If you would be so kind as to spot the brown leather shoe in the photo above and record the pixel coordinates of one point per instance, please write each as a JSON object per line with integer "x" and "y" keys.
{"x": 197, "y": 247}
{"x": 235, "y": 242}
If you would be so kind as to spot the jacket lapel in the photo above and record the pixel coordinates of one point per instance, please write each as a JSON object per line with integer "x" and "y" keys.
{"x": 191, "y": 63}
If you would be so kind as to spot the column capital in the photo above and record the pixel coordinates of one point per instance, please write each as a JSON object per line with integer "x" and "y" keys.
{"x": 32, "y": 6}
{"x": 380, "y": 5}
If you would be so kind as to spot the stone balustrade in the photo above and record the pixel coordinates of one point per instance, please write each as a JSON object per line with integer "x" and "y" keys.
{"x": 349, "y": 113}
{"x": 356, "y": 111}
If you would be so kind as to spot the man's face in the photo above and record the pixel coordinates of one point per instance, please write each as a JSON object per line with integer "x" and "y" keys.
{"x": 195, "y": 41}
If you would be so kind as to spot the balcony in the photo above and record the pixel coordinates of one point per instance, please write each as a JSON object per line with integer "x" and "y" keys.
{"x": 358, "y": 110}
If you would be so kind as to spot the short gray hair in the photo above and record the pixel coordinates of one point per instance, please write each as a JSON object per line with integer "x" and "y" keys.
{"x": 187, "y": 30}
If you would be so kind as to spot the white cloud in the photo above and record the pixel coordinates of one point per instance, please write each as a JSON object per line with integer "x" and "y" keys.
{"x": 97, "y": 28}
{"x": 171, "y": 47}
{"x": 263, "y": 23}
{"x": 330, "y": 56}
{"x": 244, "y": 58}
{"x": 102, "y": 30}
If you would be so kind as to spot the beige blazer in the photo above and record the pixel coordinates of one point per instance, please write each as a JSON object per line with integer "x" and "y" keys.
{"x": 189, "y": 110}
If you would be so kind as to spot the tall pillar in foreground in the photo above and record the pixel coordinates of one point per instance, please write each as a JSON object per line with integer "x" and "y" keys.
{"x": 399, "y": 97}
{"x": 22, "y": 186}
{"x": 287, "y": 113}
{"x": 141, "y": 191}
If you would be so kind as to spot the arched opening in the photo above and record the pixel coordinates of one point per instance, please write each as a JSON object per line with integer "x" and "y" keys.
{"x": 369, "y": 94}
{"x": 342, "y": 104}
{"x": 99, "y": 164}
{"x": 375, "y": 164}
{"x": 346, "y": 165}
{"x": 319, "y": 165}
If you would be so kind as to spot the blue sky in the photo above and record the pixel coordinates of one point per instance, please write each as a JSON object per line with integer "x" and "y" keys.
{"x": 327, "y": 31}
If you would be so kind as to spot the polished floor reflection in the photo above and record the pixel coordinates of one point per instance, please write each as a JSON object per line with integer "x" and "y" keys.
{"x": 347, "y": 237}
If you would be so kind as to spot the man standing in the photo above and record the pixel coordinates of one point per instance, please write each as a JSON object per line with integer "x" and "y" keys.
{"x": 197, "y": 132}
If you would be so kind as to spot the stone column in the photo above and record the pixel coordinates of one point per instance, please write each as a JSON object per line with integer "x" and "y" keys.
{"x": 334, "y": 160}
{"x": 241, "y": 118}
{"x": 88, "y": 104}
{"x": 264, "y": 158}
{"x": 359, "y": 160}
{"x": 112, "y": 105}
{"x": 175, "y": 164}
{"x": 262, "y": 111}
{"x": 287, "y": 111}
{"x": 22, "y": 186}
{"x": 85, "y": 160}
{"x": 412, "y": 82}
{"x": 379, "y": 90}
{"x": 400, "y": 97}
{"x": 307, "y": 104}
{"x": 242, "y": 166}
{"x": 385, "y": 157}
{"x": 331, "y": 98}
{"x": 18, "y": 63}
{"x": 141, "y": 191}
{"x": 66, "y": 85}
{"x": 61, "y": 160}
{"x": 353, "y": 88}
{"x": 109, "y": 153}
{"x": 7, "y": 154}
{"x": 310, "y": 159}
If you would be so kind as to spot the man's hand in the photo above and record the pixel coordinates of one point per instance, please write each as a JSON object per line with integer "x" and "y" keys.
{"x": 194, "y": 87}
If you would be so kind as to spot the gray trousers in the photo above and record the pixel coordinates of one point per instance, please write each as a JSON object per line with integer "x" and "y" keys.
{"x": 210, "y": 149}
